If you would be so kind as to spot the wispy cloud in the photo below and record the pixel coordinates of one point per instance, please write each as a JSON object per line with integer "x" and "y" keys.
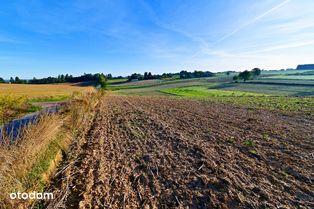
{"x": 285, "y": 46}
{"x": 150, "y": 34}
{"x": 171, "y": 27}
{"x": 294, "y": 26}
{"x": 204, "y": 47}
{"x": 251, "y": 22}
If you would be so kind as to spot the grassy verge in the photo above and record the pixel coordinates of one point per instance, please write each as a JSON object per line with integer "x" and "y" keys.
{"x": 28, "y": 164}
{"x": 46, "y": 162}
{"x": 33, "y": 108}
{"x": 20, "y": 158}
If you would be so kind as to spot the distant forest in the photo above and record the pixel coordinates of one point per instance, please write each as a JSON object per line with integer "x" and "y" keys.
{"x": 60, "y": 79}
{"x": 306, "y": 67}
{"x": 182, "y": 75}
{"x": 96, "y": 77}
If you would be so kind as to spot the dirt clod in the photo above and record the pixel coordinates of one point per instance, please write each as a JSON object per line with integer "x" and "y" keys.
{"x": 145, "y": 152}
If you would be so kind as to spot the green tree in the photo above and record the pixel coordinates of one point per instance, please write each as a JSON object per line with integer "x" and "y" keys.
{"x": 2, "y": 80}
{"x": 245, "y": 75}
{"x": 184, "y": 74}
{"x": 135, "y": 76}
{"x": 149, "y": 75}
{"x": 17, "y": 80}
{"x": 235, "y": 78}
{"x": 109, "y": 76}
{"x": 102, "y": 80}
{"x": 256, "y": 72}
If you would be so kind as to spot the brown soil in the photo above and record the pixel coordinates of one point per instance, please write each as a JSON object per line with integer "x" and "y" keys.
{"x": 146, "y": 152}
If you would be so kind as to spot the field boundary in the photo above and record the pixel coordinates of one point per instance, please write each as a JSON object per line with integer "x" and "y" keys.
{"x": 277, "y": 83}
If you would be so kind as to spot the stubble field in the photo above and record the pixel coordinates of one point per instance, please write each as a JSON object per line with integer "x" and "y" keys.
{"x": 43, "y": 91}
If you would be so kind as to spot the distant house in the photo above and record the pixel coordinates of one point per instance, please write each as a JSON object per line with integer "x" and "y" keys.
{"x": 306, "y": 67}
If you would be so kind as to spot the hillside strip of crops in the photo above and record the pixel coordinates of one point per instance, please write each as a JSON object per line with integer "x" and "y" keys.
{"x": 150, "y": 152}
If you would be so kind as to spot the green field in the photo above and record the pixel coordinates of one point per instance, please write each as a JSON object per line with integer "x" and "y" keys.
{"x": 294, "y": 77}
{"x": 246, "y": 99}
{"x": 284, "y": 89}
{"x": 203, "y": 91}
{"x": 263, "y": 85}
{"x": 283, "y": 94}
{"x": 282, "y": 81}
{"x": 282, "y": 72}
{"x": 114, "y": 81}
{"x": 153, "y": 87}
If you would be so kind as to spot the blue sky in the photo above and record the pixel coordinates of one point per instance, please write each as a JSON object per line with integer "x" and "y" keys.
{"x": 40, "y": 38}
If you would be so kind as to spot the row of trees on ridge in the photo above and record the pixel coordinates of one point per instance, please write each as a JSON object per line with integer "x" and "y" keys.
{"x": 247, "y": 75}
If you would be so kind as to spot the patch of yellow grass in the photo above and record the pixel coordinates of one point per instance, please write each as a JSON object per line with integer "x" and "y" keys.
{"x": 29, "y": 164}
{"x": 17, "y": 160}
{"x": 32, "y": 91}
{"x": 11, "y": 106}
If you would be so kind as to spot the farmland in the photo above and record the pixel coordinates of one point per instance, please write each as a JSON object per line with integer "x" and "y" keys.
{"x": 176, "y": 143}
{"x": 263, "y": 93}
{"x": 200, "y": 91}
{"x": 294, "y": 77}
{"x": 42, "y": 92}
{"x": 155, "y": 104}
{"x": 272, "y": 86}
{"x": 159, "y": 152}
{"x": 18, "y": 99}
{"x": 268, "y": 84}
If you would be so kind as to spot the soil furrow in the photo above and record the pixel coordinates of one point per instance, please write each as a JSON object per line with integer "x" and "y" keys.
{"x": 145, "y": 152}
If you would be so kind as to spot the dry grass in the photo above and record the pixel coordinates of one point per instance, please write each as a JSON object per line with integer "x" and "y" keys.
{"x": 28, "y": 165}
{"x": 82, "y": 113}
{"x": 33, "y": 91}
{"x": 17, "y": 160}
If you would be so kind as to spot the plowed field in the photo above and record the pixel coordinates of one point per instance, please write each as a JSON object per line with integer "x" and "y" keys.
{"x": 150, "y": 152}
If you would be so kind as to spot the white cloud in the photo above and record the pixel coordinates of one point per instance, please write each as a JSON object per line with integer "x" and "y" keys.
{"x": 251, "y": 22}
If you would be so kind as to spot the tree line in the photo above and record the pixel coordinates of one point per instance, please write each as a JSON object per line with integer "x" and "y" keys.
{"x": 247, "y": 75}
{"x": 146, "y": 76}
{"x": 150, "y": 76}
{"x": 182, "y": 75}
{"x": 59, "y": 79}
{"x": 196, "y": 74}
{"x": 98, "y": 79}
